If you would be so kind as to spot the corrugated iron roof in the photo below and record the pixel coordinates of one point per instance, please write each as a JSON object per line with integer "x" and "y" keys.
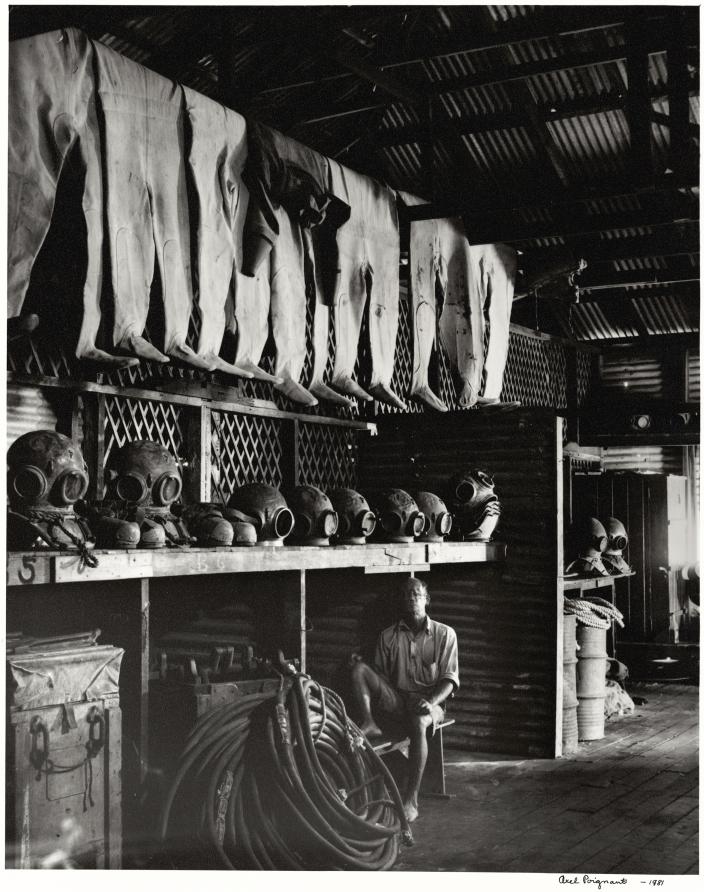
{"x": 562, "y": 124}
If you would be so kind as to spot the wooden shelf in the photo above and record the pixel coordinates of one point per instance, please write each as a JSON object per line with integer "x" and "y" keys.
{"x": 586, "y": 583}
{"x": 218, "y": 399}
{"x": 37, "y": 567}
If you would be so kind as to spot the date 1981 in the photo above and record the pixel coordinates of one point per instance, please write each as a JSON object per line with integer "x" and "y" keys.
{"x": 600, "y": 882}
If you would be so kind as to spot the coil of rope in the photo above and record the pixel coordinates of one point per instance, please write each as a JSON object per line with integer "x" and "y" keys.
{"x": 284, "y": 780}
{"x": 593, "y": 611}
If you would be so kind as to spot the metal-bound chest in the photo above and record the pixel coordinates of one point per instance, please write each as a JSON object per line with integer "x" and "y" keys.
{"x": 63, "y": 767}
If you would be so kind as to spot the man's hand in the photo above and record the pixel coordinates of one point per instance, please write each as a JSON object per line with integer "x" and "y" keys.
{"x": 423, "y": 707}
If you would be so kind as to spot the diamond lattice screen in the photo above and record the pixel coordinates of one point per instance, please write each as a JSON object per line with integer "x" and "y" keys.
{"x": 327, "y": 456}
{"x": 536, "y": 372}
{"x": 244, "y": 449}
{"x": 130, "y": 419}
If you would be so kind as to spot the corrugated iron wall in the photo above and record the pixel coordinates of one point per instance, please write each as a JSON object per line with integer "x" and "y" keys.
{"x": 630, "y": 371}
{"x": 693, "y": 376}
{"x": 505, "y": 615}
{"x": 28, "y": 409}
{"x": 654, "y": 459}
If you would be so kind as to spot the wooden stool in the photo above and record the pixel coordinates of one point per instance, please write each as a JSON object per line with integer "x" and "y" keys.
{"x": 433, "y": 783}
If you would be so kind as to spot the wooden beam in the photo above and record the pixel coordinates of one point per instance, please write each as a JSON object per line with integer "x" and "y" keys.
{"x": 692, "y": 130}
{"x": 665, "y": 243}
{"x": 507, "y": 74}
{"x": 675, "y": 340}
{"x": 638, "y": 108}
{"x": 493, "y": 204}
{"x": 517, "y": 117}
{"x": 311, "y": 113}
{"x": 681, "y": 149}
{"x": 239, "y": 405}
{"x": 590, "y": 281}
{"x": 545, "y": 23}
{"x": 607, "y": 295}
{"x": 198, "y": 36}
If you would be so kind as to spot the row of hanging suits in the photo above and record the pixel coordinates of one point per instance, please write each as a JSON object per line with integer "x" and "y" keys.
{"x": 278, "y": 229}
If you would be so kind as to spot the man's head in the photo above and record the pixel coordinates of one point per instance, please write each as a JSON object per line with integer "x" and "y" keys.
{"x": 414, "y": 599}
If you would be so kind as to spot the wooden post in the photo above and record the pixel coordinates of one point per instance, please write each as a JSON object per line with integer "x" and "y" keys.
{"x": 290, "y": 461}
{"x": 143, "y": 718}
{"x": 559, "y": 593}
{"x": 94, "y": 442}
{"x": 674, "y": 373}
{"x": 681, "y": 155}
{"x": 427, "y": 150}
{"x": 197, "y": 482}
{"x": 124, "y": 621}
{"x": 77, "y": 420}
{"x": 572, "y": 395}
{"x": 638, "y": 105}
{"x": 303, "y": 622}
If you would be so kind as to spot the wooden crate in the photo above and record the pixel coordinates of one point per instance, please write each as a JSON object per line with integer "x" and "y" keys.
{"x": 50, "y": 810}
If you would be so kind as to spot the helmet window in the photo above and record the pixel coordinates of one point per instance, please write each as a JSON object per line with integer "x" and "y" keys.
{"x": 29, "y": 484}
{"x": 283, "y": 523}
{"x": 465, "y": 492}
{"x": 130, "y": 488}
{"x": 70, "y": 487}
{"x": 329, "y": 523}
{"x": 168, "y": 489}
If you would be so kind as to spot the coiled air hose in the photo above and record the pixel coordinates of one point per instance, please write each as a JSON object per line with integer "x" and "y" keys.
{"x": 284, "y": 780}
{"x": 594, "y": 612}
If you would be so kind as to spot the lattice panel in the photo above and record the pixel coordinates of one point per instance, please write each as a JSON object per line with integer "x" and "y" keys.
{"x": 327, "y": 456}
{"x": 244, "y": 449}
{"x": 585, "y": 373}
{"x": 536, "y": 372}
{"x": 39, "y": 357}
{"x": 128, "y": 419}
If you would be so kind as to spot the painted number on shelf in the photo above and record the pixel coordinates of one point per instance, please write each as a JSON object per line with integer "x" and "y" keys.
{"x": 22, "y": 569}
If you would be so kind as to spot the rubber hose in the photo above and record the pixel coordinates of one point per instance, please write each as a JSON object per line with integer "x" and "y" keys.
{"x": 296, "y": 751}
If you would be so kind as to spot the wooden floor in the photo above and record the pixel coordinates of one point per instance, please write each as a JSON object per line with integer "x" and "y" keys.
{"x": 627, "y": 804}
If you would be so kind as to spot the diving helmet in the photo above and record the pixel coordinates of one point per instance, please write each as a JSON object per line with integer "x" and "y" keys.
{"x": 355, "y": 519}
{"x": 46, "y": 470}
{"x": 617, "y": 540}
{"x": 400, "y": 520}
{"x": 438, "y": 518}
{"x": 46, "y": 476}
{"x": 205, "y": 521}
{"x": 143, "y": 482}
{"x": 474, "y": 504}
{"x": 265, "y": 508}
{"x": 144, "y": 473}
{"x": 588, "y": 539}
{"x": 316, "y": 519}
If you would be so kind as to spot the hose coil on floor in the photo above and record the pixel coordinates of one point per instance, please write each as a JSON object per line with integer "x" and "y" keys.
{"x": 284, "y": 780}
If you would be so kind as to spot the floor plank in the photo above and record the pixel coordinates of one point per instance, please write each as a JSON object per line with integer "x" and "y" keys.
{"x": 624, "y": 804}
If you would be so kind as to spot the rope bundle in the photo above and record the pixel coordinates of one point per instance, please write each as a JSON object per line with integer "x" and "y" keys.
{"x": 285, "y": 781}
{"x": 594, "y": 612}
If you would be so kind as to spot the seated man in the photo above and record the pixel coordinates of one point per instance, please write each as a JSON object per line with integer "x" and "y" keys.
{"x": 415, "y": 671}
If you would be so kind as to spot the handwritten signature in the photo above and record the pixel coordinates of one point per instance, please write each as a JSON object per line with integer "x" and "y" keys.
{"x": 586, "y": 880}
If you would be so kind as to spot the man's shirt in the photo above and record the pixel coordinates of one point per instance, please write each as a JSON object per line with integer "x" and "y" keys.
{"x": 416, "y": 663}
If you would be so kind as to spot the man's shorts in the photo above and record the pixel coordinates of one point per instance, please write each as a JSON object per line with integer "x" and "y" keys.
{"x": 395, "y": 707}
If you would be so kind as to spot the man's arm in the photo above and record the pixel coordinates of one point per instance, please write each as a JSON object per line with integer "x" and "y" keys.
{"x": 449, "y": 675}
{"x": 442, "y": 691}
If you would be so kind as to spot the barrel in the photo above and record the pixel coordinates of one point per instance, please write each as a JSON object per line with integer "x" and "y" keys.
{"x": 591, "y": 682}
{"x": 569, "y": 686}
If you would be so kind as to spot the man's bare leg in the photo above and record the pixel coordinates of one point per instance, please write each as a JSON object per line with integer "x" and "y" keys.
{"x": 417, "y": 757}
{"x": 365, "y": 687}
